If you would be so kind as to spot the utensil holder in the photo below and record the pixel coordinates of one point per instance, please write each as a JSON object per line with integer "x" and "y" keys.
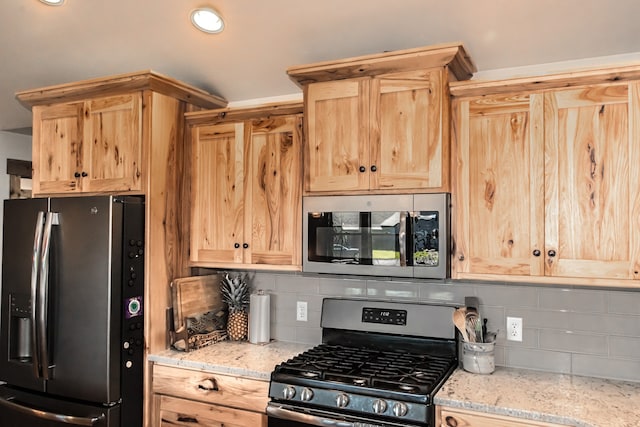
{"x": 478, "y": 358}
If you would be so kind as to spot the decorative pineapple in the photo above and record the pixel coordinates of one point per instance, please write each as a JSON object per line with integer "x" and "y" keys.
{"x": 235, "y": 293}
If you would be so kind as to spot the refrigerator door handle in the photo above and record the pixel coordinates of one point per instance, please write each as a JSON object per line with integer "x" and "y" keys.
{"x": 35, "y": 264}
{"x": 50, "y": 416}
{"x": 43, "y": 293}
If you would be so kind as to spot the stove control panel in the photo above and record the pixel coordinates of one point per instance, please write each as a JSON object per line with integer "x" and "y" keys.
{"x": 384, "y": 316}
{"x": 339, "y": 400}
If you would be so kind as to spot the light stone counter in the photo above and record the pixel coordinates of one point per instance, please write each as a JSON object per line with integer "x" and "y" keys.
{"x": 236, "y": 358}
{"x": 539, "y": 396}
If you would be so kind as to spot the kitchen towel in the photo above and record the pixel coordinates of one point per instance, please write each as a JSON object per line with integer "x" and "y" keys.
{"x": 259, "y": 317}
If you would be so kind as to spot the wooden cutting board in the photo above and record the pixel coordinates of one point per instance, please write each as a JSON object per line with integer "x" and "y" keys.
{"x": 193, "y": 296}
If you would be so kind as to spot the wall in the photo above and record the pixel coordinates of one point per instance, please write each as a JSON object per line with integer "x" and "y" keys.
{"x": 594, "y": 332}
{"x": 12, "y": 146}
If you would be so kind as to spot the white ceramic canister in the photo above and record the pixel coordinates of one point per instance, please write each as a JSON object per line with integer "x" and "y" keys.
{"x": 478, "y": 357}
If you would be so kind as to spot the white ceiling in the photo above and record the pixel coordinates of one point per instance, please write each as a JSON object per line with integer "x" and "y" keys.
{"x": 42, "y": 45}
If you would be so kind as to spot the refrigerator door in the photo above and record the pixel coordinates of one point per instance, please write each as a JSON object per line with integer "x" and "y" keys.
{"x": 17, "y": 322}
{"x": 20, "y": 409}
{"x": 85, "y": 294}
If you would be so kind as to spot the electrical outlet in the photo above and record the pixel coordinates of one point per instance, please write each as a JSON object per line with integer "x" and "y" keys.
{"x": 301, "y": 311}
{"x": 514, "y": 328}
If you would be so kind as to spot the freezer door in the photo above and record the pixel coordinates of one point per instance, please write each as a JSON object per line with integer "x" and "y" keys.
{"x": 20, "y": 409}
{"x": 17, "y": 333}
{"x": 85, "y": 292}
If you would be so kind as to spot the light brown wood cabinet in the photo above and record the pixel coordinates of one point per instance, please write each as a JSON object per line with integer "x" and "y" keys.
{"x": 448, "y": 417}
{"x": 546, "y": 187}
{"x": 185, "y": 397}
{"x": 377, "y": 133}
{"x": 88, "y": 146}
{"x": 380, "y": 123}
{"x": 247, "y": 188}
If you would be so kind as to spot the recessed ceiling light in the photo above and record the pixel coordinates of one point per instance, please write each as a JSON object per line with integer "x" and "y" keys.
{"x": 53, "y": 2}
{"x": 207, "y": 20}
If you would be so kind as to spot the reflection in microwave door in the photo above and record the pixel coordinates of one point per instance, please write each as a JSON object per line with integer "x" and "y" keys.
{"x": 426, "y": 257}
{"x": 345, "y": 261}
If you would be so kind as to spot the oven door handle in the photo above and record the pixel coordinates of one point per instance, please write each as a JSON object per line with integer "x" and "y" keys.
{"x": 312, "y": 420}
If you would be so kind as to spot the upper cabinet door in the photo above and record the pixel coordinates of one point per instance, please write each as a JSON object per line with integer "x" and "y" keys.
{"x": 113, "y": 149}
{"x": 593, "y": 181}
{"x": 57, "y": 148}
{"x": 499, "y": 189}
{"x": 273, "y": 210}
{"x": 337, "y": 146}
{"x": 93, "y": 146}
{"x": 217, "y": 193}
{"x": 407, "y": 131}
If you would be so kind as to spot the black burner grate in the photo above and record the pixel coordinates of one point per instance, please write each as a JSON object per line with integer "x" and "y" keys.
{"x": 361, "y": 367}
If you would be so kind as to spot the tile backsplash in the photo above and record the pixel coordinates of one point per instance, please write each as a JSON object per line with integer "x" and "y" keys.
{"x": 594, "y": 332}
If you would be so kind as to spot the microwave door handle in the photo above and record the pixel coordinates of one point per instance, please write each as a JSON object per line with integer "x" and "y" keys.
{"x": 35, "y": 267}
{"x": 50, "y": 416}
{"x": 402, "y": 239}
{"x": 43, "y": 300}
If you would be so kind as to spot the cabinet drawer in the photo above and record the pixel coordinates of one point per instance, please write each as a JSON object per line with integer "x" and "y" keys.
{"x": 462, "y": 418}
{"x": 227, "y": 390}
{"x": 180, "y": 412}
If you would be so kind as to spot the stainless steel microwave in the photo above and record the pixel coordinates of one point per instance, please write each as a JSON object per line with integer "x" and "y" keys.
{"x": 404, "y": 235}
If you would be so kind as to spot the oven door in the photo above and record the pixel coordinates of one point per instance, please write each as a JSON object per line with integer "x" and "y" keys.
{"x": 280, "y": 415}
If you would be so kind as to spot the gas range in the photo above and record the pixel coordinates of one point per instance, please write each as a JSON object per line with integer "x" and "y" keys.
{"x": 380, "y": 364}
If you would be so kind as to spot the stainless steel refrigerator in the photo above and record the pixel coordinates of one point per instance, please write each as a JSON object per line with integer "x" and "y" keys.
{"x": 71, "y": 332}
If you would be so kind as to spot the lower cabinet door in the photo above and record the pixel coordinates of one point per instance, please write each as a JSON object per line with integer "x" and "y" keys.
{"x": 462, "y": 418}
{"x": 188, "y": 413}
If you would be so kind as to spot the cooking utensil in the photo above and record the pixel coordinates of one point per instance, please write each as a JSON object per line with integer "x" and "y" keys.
{"x": 479, "y": 335}
{"x": 471, "y": 320}
{"x": 459, "y": 319}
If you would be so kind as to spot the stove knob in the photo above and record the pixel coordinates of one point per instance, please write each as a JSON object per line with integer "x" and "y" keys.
{"x": 306, "y": 394}
{"x": 342, "y": 400}
{"x": 379, "y": 406}
{"x": 289, "y": 392}
{"x": 400, "y": 409}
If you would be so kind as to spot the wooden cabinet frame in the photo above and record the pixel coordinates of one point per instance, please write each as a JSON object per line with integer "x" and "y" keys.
{"x": 246, "y": 187}
{"x": 379, "y": 123}
{"x": 565, "y": 217}
{"x": 207, "y": 398}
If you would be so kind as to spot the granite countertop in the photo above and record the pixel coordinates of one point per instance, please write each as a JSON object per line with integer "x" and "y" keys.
{"x": 539, "y": 396}
{"x": 531, "y": 395}
{"x": 233, "y": 357}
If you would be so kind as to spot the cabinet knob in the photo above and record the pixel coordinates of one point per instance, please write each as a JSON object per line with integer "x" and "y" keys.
{"x": 363, "y": 169}
{"x": 77, "y": 174}
{"x": 236, "y": 245}
{"x": 536, "y": 252}
{"x": 461, "y": 258}
{"x": 245, "y": 245}
{"x": 551, "y": 253}
{"x": 84, "y": 174}
{"x": 374, "y": 168}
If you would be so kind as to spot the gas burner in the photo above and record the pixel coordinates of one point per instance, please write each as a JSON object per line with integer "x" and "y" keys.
{"x": 309, "y": 374}
{"x": 406, "y": 387}
{"x": 359, "y": 381}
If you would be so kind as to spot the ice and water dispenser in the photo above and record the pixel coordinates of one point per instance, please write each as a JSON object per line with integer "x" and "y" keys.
{"x": 20, "y": 328}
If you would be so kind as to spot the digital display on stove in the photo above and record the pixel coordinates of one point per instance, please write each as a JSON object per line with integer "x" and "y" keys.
{"x": 384, "y": 316}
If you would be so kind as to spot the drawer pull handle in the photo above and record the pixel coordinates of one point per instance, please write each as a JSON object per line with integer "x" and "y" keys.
{"x": 208, "y": 385}
{"x": 451, "y": 421}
